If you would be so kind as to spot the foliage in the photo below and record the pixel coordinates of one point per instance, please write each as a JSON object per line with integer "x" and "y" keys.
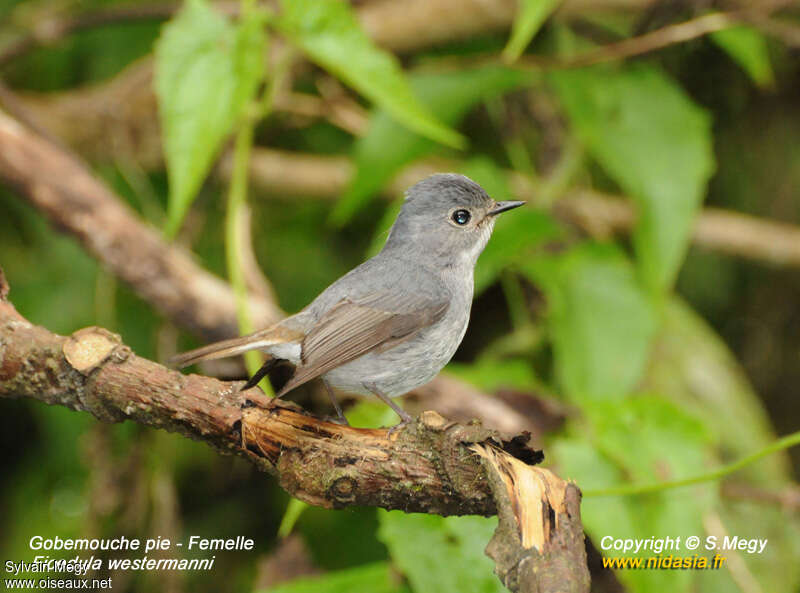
{"x": 376, "y": 578}
{"x": 749, "y": 48}
{"x": 533, "y": 14}
{"x": 668, "y": 361}
{"x": 198, "y": 50}
{"x": 329, "y": 34}
{"x": 601, "y": 320}
{"x": 387, "y": 147}
{"x": 441, "y": 554}
{"x": 655, "y": 143}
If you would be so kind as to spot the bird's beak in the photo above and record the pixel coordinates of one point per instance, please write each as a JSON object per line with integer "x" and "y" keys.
{"x": 503, "y": 206}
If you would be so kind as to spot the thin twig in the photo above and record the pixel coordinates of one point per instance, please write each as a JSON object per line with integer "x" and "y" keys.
{"x": 787, "y": 498}
{"x": 397, "y": 26}
{"x": 654, "y": 40}
{"x": 781, "y": 30}
{"x": 791, "y": 440}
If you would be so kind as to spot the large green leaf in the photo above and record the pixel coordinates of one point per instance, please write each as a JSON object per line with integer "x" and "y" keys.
{"x": 748, "y": 48}
{"x": 655, "y": 143}
{"x": 206, "y": 72}
{"x": 602, "y": 322}
{"x": 531, "y": 16}
{"x": 441, "y": 554}
{"x": 699, "y": 372}
{"x": 375, "y": 578}
{"x": 329, "y": 33}
{"x": 644, "y": 439}
{"x": 702, "y": 378}
{"x": 387, "y": 147}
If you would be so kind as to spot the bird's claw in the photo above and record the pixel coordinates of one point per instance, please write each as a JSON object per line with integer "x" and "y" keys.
{"x": 400, "y": 426}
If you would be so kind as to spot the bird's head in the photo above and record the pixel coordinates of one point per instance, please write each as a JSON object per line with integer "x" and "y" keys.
{"x": 448, "y": 218}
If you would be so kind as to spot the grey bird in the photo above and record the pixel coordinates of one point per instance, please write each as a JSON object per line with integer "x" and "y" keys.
{"x": 390, "y": 324}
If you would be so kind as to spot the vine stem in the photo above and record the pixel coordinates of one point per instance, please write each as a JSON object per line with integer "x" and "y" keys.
{"x": 633, "y": 489}
{"x": 237, "y": 199}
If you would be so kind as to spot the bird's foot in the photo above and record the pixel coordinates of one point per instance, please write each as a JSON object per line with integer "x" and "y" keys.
{"x": 340, "y": 420}
{"x": 399, "y": 426}
{"x": 404, "y": 417}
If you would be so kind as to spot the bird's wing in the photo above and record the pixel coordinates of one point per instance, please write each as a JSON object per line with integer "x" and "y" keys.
{"x": 352, "y": 328}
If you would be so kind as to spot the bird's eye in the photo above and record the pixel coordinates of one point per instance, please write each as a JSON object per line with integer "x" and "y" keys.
{"x": 461, "y": 217}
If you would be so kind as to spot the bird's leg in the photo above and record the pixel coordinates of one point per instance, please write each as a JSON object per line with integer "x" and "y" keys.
{"x": 404, "y": 417}
{"x": 260, "y": 374}
{"x": 340, "y": 419}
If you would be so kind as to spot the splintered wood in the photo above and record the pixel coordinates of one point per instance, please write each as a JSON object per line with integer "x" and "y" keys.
{"x": 539, "y": 544}
{"x": 536, "y": 495}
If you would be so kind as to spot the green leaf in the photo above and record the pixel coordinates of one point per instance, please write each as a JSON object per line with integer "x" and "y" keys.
{"x": 206, "y": 72}
{"x": 329, "y": 33}
{"x": 722, "y": 393}
{"x": 441, "y": 554}
{"x": 701, "y": 374}
{"x": 491, "y": 375}
{"x": 644, "y": 439}
{"x": 387, "y": 146}
{"x": 515, "y": 234}
{"x": 375, "y": 578}
{"x": 371, "y": 413}
{"x": 748, "y": 48}
{"x": 489, "y": 175}
{"x": 532, "y": 15}
{"x": 655, "y": 143}
{"x": 601, "y": 321}
{"x": 668, "y": 441}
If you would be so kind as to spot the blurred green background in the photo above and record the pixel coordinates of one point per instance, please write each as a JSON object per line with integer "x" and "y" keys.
{"x": 665, "y": 356}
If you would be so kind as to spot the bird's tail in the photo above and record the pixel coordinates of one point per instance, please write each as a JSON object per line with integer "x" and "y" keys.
{"x": 264, "y": 338}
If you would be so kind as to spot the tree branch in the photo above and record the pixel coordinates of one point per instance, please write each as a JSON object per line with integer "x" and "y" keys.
{"x": 432, "y": 466}
{"x": 715, "y": 229}
{"x": 322, "y": 463}
{"x": 60, "y": 187}
{"x": 641, "y": 44}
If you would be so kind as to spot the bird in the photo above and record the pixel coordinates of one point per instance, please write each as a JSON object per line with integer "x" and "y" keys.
{"x": 393, "y": 322}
